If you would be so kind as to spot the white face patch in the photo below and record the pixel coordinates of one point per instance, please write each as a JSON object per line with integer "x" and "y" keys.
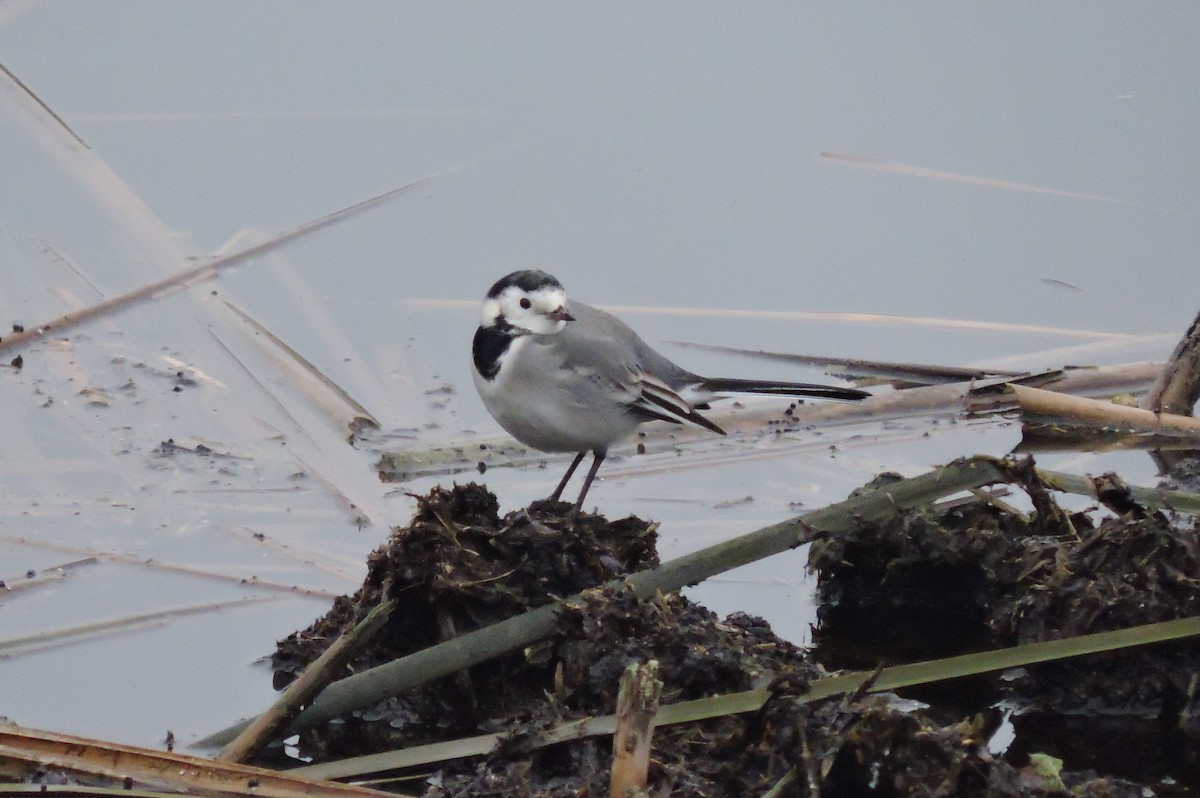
{"x": 530, "y": 310}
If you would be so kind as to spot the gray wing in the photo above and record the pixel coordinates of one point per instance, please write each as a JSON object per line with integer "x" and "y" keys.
{"x": 604, "y": 348}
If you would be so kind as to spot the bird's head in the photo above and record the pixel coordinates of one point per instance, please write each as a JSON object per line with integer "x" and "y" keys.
{"x": 529, "y": 301}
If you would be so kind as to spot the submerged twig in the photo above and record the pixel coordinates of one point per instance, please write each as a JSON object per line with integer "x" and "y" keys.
{"x": 131, "y": 559}
{"x": 267, "y": 392}
{"x": 867, "y": 162}
{"x": 360, "y": 415}
{"x": 202, "y": 272}
{"x": 42, "y": 104}
{"x": 11, "y": 584}
{"x": 28, "y": 643}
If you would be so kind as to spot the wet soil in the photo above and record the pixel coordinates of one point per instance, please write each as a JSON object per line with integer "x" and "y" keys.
{"x": 942, "y": 581}
{"x": 459, "y": 566}
{"x": 980, "y": 571}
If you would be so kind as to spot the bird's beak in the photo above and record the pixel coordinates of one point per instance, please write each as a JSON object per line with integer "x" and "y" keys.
{"x": 560, "y": 314}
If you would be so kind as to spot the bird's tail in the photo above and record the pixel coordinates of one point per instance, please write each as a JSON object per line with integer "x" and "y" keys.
{"x": 776, "y": 388}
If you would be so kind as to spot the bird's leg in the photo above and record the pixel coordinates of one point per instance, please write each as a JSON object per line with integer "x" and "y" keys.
{"x": 567, "y": 477}
{"x": 599, "y": 455}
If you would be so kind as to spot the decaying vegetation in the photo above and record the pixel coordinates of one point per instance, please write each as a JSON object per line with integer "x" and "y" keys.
{"x": 1019, "y": 577}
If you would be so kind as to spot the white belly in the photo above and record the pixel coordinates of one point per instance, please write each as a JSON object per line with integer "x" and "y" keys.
{"x": 555, "y": 410}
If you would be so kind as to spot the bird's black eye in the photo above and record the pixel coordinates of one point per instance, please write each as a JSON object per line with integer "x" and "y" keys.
{"x": 525, "y": 303}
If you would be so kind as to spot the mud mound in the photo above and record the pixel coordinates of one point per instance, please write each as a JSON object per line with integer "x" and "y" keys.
{"x": 459, "y": 566}
{"x": 967, "y": 577}
{"x": 1134, "y": 568}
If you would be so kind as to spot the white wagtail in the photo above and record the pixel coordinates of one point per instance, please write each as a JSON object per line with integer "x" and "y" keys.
{"x": 567, "y": 377}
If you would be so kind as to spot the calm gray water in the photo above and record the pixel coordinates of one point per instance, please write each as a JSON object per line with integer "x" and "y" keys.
{"x": 1026, "y": 165}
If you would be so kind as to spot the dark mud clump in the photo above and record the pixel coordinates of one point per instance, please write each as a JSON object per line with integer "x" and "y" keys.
{"x": 459, "y": 566}
{"x": 920, "y": 585}
{"x": 980, "y": 575}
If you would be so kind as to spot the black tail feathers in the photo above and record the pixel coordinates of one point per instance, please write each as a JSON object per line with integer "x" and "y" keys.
{"x": 775, "y": 388}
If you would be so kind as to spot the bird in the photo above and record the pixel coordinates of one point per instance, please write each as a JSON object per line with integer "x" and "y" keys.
{"x": 562, "y": 376}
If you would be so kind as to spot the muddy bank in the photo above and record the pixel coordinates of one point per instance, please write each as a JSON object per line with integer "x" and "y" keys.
{"x": 459, "y": 566}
